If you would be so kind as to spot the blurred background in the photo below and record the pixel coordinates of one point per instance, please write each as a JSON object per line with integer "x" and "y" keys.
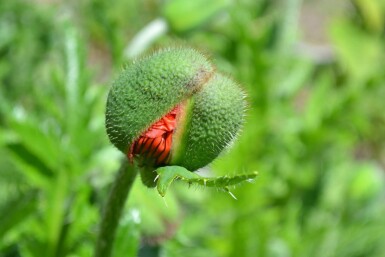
{"x": 314, "y": 74}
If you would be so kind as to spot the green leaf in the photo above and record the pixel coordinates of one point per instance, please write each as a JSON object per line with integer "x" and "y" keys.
{"x": 55, "y": 209}
{"x": 16, "y": 210}
{"x": 166, "y": 175}
{"x": 373, "y": 13}
{"x": 185, "y": 15}
{"x": 41, "y": 144}
{"x": 355, "y": 47}
{"x": 28, "y": 157}
{"x": 36, "y": 171}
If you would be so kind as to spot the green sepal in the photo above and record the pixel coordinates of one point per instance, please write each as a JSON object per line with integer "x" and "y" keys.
{"x": 215, "y": 117}
{"x": 167, "y": 174}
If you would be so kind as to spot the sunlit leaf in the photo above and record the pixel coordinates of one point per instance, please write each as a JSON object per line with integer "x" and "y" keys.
{"x": 167, "y": 174}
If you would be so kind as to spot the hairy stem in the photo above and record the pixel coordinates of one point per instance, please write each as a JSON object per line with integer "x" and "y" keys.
{"x": 113, "y": 208}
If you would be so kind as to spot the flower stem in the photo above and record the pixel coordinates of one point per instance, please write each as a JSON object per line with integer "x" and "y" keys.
{"x": 113, "y": 208}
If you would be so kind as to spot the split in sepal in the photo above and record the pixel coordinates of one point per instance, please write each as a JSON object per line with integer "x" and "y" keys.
{"x": 166, "y": 175}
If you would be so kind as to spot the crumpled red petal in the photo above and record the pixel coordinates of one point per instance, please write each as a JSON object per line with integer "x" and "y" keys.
{"x": 154, "y": 145}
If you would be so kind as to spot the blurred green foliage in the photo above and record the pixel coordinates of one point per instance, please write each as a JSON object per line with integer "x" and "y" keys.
{"x": 315, "y": 128}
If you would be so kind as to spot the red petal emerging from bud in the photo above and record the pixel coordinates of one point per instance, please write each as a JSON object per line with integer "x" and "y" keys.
{"x": 155, "y": 144}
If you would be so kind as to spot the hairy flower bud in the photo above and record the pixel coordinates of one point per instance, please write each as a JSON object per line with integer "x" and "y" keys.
{"x": 172, "y": 108}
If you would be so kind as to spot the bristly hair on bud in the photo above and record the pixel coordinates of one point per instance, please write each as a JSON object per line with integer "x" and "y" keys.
{"x": 173, "y": 108}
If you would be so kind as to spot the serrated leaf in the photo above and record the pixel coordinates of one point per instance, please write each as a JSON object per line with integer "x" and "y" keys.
{"x": 167, "y": 174}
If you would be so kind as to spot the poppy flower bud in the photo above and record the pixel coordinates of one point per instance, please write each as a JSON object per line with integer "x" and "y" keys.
{"x": 173, "y": 108}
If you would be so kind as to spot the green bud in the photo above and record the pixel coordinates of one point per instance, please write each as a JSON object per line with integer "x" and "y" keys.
{"x": 172, "y": 108}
